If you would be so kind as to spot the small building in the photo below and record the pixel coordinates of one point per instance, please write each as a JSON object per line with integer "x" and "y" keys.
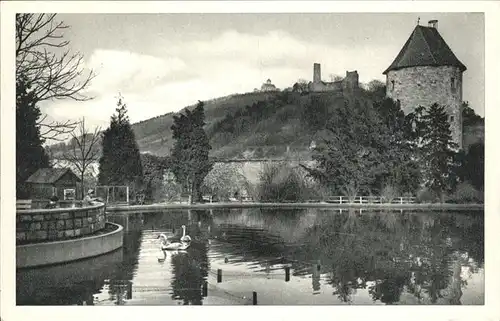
{"x": 46, "y": 182}
{"x": 268, "y": 86}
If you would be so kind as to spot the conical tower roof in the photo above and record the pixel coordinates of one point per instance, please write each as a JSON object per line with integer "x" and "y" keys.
{"x": 425, "y": 47}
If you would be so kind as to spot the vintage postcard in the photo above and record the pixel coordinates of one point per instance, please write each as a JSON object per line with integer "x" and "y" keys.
{"x": 287, "y": 154}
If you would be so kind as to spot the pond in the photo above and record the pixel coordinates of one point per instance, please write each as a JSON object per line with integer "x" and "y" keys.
{"x": 333, "y": 257}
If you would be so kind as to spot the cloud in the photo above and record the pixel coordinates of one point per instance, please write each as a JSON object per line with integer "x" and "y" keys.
{"x": 230, "y": 63}
{"x": 130, "y": 71}
{"x": 276, "y": 52}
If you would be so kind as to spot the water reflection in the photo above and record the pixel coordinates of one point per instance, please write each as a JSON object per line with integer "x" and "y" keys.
{"x": 190, "y": 269}
{"x": 387, "y": 252}
{"x": 67, "y": 284}
{"x": 396, "y": 252}
{"x": 391, "y": 257}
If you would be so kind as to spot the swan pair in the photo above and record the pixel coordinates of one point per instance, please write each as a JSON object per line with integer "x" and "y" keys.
{"x": 184, "y": 243}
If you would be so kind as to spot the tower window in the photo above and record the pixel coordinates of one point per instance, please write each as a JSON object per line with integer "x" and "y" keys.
{"x": 452, "y": 118}
{"x": 392, "y": 85}
{"x": 453, "y": 85}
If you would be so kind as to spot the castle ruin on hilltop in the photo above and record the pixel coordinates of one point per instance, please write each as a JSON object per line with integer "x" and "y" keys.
{"x": 426, "y": 71}
{"x": 349, "y": 83}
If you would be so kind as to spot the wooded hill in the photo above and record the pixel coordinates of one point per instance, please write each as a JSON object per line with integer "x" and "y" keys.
{"x": 261, "y": 124}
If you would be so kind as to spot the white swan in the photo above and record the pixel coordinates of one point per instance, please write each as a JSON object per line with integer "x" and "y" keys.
{"x": 164, "y": 240}
{"x": 184, "y": 237}
{"x": 167, "y": 245}
{"x": 162, "y": 259}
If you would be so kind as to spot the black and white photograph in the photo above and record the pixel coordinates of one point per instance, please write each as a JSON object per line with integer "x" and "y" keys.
{"x": 232, "y": 157}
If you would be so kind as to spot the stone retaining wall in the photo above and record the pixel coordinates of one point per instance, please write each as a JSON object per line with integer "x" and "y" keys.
{"x": 55, "y": 252}
{"x": 38, "y": 225}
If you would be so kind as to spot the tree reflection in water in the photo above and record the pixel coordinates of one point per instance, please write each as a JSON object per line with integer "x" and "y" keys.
{"x": 387, "y": 252}
{"x": 416, "y": 253}
{"x": 395, "y": 257}
{"x": 132, "y": 239}
{"x": 190, "y": 268}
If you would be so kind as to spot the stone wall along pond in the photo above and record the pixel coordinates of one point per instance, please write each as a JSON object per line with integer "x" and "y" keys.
{"x": 39, "y": 225}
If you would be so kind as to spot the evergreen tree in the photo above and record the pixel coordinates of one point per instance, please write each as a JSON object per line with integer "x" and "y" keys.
{"x": 474, "y": 166}
{"x": 403, "y": 171}
{"x": 154, "y": 168}
{"x": 120, "y": 162}
{"x": 438, "y": 151}
{"x": 30, "y": 154}
{"x": 365, "y": 149}
{"x": 415, "y": 127}
{"x": 349, "y": 155}
{"x": 469, "y": 116}
{"x": 189, "y": 159}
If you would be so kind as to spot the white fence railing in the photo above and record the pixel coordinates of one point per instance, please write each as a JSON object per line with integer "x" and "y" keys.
{"x": 370, "y": 200}
{"x": 349, "y": 200}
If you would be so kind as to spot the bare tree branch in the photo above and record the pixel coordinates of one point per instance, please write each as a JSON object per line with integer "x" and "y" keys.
{"x": 56, "y": 130}
{"x": 51, "y": 71}
{"x": 84, "y": 149}
{"x": 51, "y": 76}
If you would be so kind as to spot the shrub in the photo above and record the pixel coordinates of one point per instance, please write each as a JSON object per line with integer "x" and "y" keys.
{"x": 351, "y": 191}
{"x": 407, "y": 194}
{"x": 281, "y": 183}
{"x": 314, "y": 190}
{"x": 388, "y": 193}
{"x": 466, "y": 193}
{"x": 251, "y": 190}
{"x": 426, "y": 196}
{"x": 171, "y": 189}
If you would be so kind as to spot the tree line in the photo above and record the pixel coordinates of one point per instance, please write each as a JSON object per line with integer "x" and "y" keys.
{"x": 363, "y": 151}
{"x": 360, "y": 150}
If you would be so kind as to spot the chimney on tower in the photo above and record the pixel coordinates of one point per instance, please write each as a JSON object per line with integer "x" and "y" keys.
{"x": 433, "y": 24}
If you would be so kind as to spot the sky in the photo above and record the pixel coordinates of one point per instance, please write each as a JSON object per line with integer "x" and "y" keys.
{"x": 162, "y": 63}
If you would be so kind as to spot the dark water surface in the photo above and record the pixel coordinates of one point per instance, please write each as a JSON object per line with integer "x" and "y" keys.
{"x": 335, "y": 257}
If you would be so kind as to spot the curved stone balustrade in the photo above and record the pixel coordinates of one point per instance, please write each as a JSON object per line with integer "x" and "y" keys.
{"x": 48, "y": 253}
{"x": 41, "y": 225}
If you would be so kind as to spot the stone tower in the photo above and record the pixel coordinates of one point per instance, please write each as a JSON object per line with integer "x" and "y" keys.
{"x": 317, "y": 73}
{"x": 351, "y": 81}
{"x": 425, "y": 72}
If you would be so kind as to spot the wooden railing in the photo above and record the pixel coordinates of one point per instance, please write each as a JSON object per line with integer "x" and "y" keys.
{"x": 344, "y": 200}
{"x": 23, "y": 204}
{"x": 370, "y": 200}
